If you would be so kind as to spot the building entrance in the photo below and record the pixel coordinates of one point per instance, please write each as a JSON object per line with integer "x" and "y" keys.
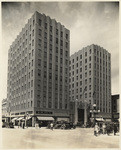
{"x": 81, "y": 115}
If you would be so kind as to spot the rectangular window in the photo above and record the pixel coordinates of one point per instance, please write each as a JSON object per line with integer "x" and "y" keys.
{"x": 85, "y": 53}
{"x": 85, "y": 60}
{"x": 40, "y": 22}
{"x": 32, "y": 42}
{"x": 33, "y": 33}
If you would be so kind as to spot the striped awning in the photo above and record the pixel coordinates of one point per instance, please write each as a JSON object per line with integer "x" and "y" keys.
{"x": 99, "y": 119}
{"x": 46, "y": 118}
{"x": 21, "y": 118}
{"x": 28, "y": 118}
{"x": 14, "y": 119}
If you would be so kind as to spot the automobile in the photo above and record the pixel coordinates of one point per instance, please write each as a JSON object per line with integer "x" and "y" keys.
{"x": 7, "y": 125}
{"x": 11, "y": 125}
{"x": 69, "y": 125}
{"x": 58, "y": 126}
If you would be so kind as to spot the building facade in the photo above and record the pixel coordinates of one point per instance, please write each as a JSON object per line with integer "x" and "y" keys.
{"x": 115, "y": 107}
{"x": 90, "y": 79}
{"x": 4, "y": 108}
{"x": 38, "y": 65}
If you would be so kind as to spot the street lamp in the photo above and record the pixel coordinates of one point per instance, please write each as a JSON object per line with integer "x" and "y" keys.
{"x": 94, "y": 111}
{"x": 76, "y": 112}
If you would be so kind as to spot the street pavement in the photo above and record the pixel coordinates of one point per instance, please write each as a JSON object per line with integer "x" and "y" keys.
{"x": 42, "y": 138}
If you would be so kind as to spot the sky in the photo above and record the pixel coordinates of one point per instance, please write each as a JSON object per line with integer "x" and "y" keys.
{"x": 88, "y": 22}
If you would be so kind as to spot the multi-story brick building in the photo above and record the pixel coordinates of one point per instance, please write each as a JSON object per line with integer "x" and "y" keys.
{"x": 90, "y": 79}
{"x": 38, "y": 65}
{"x": 115, "y": 107}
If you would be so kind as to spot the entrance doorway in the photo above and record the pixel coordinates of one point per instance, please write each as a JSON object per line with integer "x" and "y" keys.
{"x": 81, "y": 116}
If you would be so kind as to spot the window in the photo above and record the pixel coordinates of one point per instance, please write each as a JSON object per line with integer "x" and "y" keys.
{"x": 30, "y": 27}
{"x": 32, "y": 42}
{"x": 32, "y": 52}
{"x": 85, "y": 81}
{"x": 80, "y": 56}
{"x": 33, "y": 22}
{"x": 61, "y": 34}
{"x": 51, "y": 28}
{"x": 85, "y": 53}
{"x": 56, "y": 31}
{"x": 85, "y": 67}
{"x": 66, "y": 45}
{"x": 45, "y": 25}
{"x": 90, "y": 58}
{"x": 32, "y": 73}
{"x": 85, "y": 74}
{"x": 33, "y": 33}
{"x": 67, "y": 36}
{"x": 61, "y": 43}
{"x": 30, "y": 37}
{"x": 85, "y": 60}
{"x": 40, "y": 31}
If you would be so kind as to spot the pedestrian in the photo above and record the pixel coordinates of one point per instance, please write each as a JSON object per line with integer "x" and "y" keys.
{"x": 51, "y": 126}
{"x": 115, "y": 128}
{"x": 104, "y": 128}
{"x": 96, "y": 129}
{"x": 108, "y": 129}
{"x": 18, "y": 124}
{"x": 23, "y": 125}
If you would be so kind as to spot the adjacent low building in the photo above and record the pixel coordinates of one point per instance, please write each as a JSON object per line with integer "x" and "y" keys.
{"x": 4, "y": 110}
{"x": 115, "y": 107}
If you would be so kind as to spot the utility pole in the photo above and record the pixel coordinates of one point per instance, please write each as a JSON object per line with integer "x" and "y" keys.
{"x": 85, "y": 113}
{"x": 76, "y": 112}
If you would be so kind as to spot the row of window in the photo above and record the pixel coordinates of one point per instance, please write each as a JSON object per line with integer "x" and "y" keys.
{"x": 50, "y": 27}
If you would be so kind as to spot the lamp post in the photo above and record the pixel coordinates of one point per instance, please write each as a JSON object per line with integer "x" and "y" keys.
{"x": 76, "y": 112}
{"x": 94, "y": 111}
{"x": 26, "y": 118}
{"x": 85, "y": 113}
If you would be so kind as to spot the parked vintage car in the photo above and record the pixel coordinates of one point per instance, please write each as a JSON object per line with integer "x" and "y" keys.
{"x": 7, "y": 125}
{"x": 62, "y": 125}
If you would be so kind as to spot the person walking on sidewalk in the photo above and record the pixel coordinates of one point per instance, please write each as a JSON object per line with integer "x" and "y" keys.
{"x": 108, "y": 129}
{"x": 96, "y": 129}
{"x": 104, "y": 128}
{"x": 51, "y": 126}
{"x": 115, "y": 128}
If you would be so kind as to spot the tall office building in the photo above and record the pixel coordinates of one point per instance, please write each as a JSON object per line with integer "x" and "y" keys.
{"x": 38, "y": 65}
{"x": 90, "y": 78}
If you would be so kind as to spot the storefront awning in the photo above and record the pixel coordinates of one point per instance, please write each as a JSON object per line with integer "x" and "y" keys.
{"x": 14, "y": 119}
{"x": 62, "y": 119}
{"x": 28, "y": 118}
{"x": 99, "y": 119}
{"x": 46, "y": 118}
{"x": 21, "y": 118}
